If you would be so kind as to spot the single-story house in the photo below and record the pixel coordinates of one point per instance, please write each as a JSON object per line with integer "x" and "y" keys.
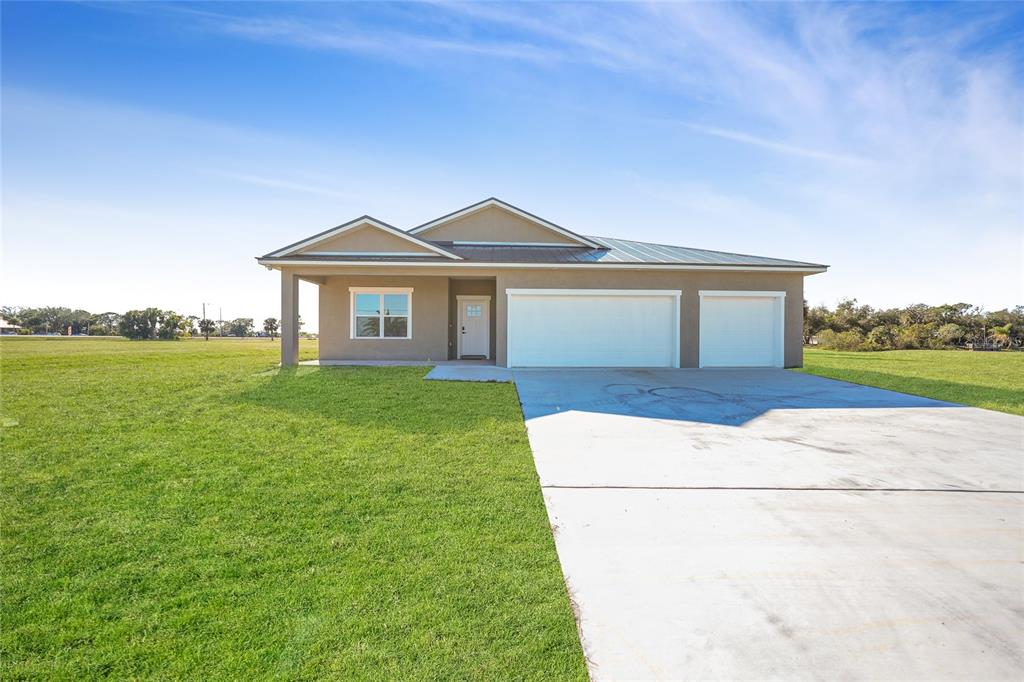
{"x": 8, "y": 327}
{"x": 493, "y": 282}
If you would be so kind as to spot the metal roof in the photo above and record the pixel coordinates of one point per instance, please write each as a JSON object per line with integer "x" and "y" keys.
{"x": 613, "y": 251}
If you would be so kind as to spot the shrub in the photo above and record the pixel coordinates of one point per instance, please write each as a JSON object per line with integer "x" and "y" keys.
{"x": 848, "y": 340}
{"x": 914, "y": 336}
{"x": 884, "y": 336}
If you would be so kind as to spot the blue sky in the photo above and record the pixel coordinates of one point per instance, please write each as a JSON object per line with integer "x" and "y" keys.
{"x": 150, "y": 151}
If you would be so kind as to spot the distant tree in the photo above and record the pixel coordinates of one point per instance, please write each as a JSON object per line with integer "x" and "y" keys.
{"x": 52, "y": 319}
{"x": 12, "y": 314}
{"x": 270, "y": 326}
{"x": 848, "y": 315}
{"x": 172, "y": 326}
{"x": 79, "y": 321}
{"x": 918, "y": 313}
{"x": 206, "y": 326}
{"x": 104, "y": 324}
{"x": 915, "y": 335}
{"x": 815, "y": 319}
{"x": 1001, "y": 335}
{"x": 883, "y": 336}
{"x": 949, "y": 334}
{"x": 140, "y": 324}
{"x": 951, "y": 313}
{"x": 241, "y": 326}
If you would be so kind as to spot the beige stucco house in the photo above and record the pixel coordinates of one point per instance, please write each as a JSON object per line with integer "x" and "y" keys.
{"x": 493, "y": 282}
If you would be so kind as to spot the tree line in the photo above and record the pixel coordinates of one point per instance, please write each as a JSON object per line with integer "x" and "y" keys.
{"x": 151, "y": 323}
{"x": 851, "y": 326}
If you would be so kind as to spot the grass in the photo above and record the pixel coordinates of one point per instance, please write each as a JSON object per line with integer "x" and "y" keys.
{"x": 185, "y": 510}
{"x": 994, "y": 381}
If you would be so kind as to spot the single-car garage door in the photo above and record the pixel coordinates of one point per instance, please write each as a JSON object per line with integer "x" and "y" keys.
{"x": 593, "y": 328}
{"x": 741, "y": 328}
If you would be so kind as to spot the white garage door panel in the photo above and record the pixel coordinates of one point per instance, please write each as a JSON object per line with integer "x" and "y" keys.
{"x": 740, "y": 331}
{"x": 592, "y": 331}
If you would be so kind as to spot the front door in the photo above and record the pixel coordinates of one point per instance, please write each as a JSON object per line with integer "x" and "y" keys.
{"x": 474, "y": 327}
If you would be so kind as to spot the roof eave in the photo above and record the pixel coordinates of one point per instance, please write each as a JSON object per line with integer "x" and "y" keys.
{"x": 271, "y": 262}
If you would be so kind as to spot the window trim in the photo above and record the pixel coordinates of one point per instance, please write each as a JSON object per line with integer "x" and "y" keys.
{"x": 381, "y": 291}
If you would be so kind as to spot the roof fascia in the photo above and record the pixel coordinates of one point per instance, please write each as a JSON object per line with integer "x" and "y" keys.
{"x": 353, "y": 224}
{"x": 808, "y": 269}
{"x": 498, "y": 203}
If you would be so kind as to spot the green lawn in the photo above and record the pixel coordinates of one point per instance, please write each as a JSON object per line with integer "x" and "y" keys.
{"x": 994, "y": 381}
{"x": 186, "y": 510}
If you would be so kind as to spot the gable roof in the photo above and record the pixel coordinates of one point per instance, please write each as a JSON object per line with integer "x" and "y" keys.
{"x": 498, "y": 203}
{"x": 591, "y": 252}
{"x": 353, "y": 224}
{"x": 614, "y": 253}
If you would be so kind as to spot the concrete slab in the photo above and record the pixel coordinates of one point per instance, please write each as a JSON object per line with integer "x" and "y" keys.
{"x": 397, "y": 363}
{"x": 763, "y": 524}
{"x": 470, "y": 373}
{"x": 366, "y": 363}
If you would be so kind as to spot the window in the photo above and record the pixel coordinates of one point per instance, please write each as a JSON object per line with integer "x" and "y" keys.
{"x": 381, "y": 313}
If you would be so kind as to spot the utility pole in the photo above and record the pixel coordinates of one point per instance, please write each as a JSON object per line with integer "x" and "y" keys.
{"x": 206, "y": 328}
{"x": 220, "y": 318}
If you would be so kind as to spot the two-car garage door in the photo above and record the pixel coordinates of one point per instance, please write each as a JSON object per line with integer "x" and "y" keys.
{"x": 593, "y": 328}
{"x": 640, "y": 328}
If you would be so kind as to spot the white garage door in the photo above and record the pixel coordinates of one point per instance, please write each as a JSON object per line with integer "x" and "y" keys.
{"x": 593, "y": 328}
{"x": 741, "y": 329}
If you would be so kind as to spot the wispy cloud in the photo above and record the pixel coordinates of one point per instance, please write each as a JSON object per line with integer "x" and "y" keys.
{"x": 792, "y": 150}
{"x": 885, "y": 139}
{"x": 826, "y": 83}
{"x": 334, "y": 33}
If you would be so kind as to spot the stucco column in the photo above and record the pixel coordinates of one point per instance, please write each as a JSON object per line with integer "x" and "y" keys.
{"x": 289, "y": 319}
{"x": 501, "y": 321}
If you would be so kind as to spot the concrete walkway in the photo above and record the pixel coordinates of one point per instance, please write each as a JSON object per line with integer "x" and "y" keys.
{"x": 487, "y": 373}
{"x": 763, "y": 524}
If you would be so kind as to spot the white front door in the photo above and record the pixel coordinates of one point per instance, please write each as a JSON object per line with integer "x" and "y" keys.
{"x": 474, "y": 326}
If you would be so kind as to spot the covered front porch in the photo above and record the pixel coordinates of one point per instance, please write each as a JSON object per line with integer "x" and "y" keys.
{"x": 415, "y": 319}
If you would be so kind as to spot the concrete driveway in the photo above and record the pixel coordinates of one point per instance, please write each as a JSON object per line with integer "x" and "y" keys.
{"x": 764, "y": 524}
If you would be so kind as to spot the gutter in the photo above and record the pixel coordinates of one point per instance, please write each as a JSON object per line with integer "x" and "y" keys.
{"x": 273, "y": 263}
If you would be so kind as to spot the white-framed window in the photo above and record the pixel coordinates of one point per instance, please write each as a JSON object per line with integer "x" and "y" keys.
{"x": 381, "y": 312}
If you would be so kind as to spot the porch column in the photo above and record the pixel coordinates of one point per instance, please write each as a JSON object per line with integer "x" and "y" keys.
{"x": 289, "y": 319}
